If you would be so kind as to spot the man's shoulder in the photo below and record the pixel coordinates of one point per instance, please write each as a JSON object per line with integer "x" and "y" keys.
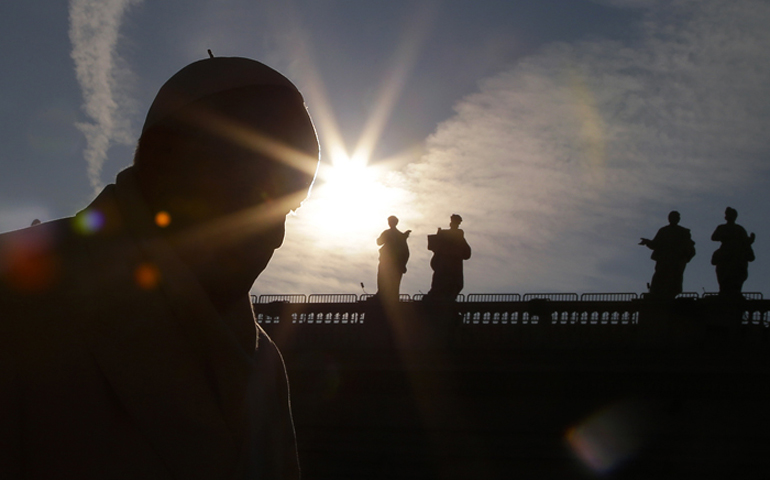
{"x": 53, "y": 230}
{"x": 40, "y": 267}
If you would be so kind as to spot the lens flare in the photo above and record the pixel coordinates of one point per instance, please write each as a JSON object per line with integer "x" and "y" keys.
{"x": 29, "y": 260}
{"x": 162, "y": 219}
{"x": 147, "y": 276}
{"x": 88, "y": 222}
{"x": 611, "y": 436}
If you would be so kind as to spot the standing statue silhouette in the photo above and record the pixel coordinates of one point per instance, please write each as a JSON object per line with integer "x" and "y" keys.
{"x": 449, "y": 250}
{"x": 672, "y": 248}
{"x": 394, "y": 253}
{"x": 733, "y": 256}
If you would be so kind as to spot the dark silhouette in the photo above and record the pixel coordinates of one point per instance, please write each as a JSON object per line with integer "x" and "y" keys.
{"x": 394, "y": 253}
{"x": 449, "y": 250}
{"x": 489, "y": 376}
{"x": 128, "y": 346}
{"x": 672, "y": 248}
{"x": 733, "y": 256}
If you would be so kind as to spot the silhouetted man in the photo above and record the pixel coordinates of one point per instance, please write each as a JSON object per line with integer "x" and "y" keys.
{"x": 128, "y": 347}
{"x": 733, "y": 256}
{"x": 672, "y": 248}
{"x": 449, "y": 250}
{"x": 394, "y": 253}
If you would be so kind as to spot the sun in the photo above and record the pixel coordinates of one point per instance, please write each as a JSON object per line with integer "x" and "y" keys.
{"x": 351, "y": 201}
{"x": 353, "y": 196}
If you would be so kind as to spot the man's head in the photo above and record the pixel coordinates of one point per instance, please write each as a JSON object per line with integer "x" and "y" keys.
{"x": 392, "y": 221}
{"x": 674, "y": 217}
{"x": 731, "y": 214}
{"x": 455, "y": 220}
{"x": 224, "y": 134}
{"x": 227, "y": 150}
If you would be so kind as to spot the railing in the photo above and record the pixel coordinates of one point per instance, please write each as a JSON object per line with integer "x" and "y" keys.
{"x": 289, "y": 298}
{"x": 555, "y": 297}
{"x": 746, "y": 295}
{"x": 608, "y": 297}
{"x": 485, "y": 297}
{"x": 549, "y": 320}
{"x": 403, "y": 297}
{"x": 688, "y": 295}
{"x": 333, "y": 298}
{"x": 328, "y": 317}
{"x": 574, "y": 312}
{"x": 325, "y": 312}
{"x": 493, "y": 297}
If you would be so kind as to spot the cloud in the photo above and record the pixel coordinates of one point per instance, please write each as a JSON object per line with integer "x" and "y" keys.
{"x": 94, "y": 33}
{"x": 557, "y": 164}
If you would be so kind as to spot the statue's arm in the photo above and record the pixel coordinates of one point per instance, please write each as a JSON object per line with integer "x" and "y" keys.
{"x": 717, "y": 235}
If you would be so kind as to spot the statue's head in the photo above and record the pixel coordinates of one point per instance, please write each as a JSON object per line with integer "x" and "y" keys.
{"x": 674, "y": 217}
{"x": 227, "y": 150}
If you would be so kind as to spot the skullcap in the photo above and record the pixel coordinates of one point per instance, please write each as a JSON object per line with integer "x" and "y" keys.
{"x": 208, "y": 77}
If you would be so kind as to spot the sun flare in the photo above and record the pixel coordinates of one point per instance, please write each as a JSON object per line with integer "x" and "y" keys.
{"x": 351, "y": 198}
{"x": 351, "y": 202}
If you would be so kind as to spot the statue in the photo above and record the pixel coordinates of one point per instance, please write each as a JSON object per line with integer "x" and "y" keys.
{"x": 672, "y": 248}
{"x": 733, "y": 256}
{"x": 394, "y": 253}
{"x": 449, "y": 249}
{"x": 127, "y": 340}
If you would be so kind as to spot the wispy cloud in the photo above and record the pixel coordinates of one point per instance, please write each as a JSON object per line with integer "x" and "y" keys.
{"x": 94, "y": 33}
{"x": 559, "y": 163}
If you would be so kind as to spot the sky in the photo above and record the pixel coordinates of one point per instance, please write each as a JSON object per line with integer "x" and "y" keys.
{"x": 561, "y": 130}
